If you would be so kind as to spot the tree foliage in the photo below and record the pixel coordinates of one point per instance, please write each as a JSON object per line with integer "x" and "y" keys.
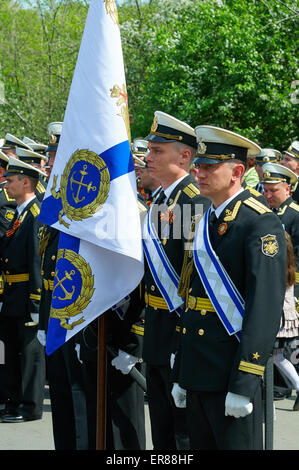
{"x": 225, "y": 63}
{"x": 230, "y": 63}
{"x": 38, "y": 50}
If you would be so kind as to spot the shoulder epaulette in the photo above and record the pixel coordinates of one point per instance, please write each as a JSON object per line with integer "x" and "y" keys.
{"x": 191, "y": 190}
{"x": 34, "y": 209}
{"x": 256, "y": 205}
{"x": 253, "y": 191}
{"x": 40, "y": 188}
{"x": 294, "y": 206}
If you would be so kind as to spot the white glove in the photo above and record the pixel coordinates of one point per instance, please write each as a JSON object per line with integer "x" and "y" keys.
{"x": 77, "y": 349}
{"x": 41, "y": 336}
{"x": 179, "y": 396}
{"x": 172, "y": 359}
{"x": 237, "y": 405}
{"x": 34, "y": 317}
{"x": 124, "y": 361}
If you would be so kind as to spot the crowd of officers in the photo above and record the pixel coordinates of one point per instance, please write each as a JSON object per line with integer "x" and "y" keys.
{"x": 215, "y": 209}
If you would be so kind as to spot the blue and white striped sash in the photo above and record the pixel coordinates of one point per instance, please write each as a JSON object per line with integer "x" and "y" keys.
{"x": 166, "y": 278}
{"x": 222, "y": 292}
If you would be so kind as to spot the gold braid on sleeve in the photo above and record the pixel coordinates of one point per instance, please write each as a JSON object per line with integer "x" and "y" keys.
{"x": 188, "y": 263}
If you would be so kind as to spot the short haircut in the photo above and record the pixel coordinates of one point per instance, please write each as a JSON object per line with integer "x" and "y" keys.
{"x": 33, "y": 181}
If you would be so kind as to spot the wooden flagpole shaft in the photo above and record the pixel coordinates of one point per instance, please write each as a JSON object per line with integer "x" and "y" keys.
{"x": 101, "y": 384}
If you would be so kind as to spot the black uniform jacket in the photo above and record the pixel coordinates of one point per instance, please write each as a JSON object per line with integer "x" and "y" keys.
{"x": 19, "y": 256}
{"x": 7, "y": 209}
{"x": 250, "y": 243}
{"x": 161, "y": 324}
{"x": 288, "y": 213}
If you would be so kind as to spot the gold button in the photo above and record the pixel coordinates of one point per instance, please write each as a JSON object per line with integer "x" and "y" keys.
{"x": 42, "y": 273}
{"x": 190, "y": 290}
{"x": 184, "y": 331}
{"x": 192, "y": 302}
{"x": 52, "y": 274}
{"x": 6, "y": 261}
{"x": 53, "y": 257}
{"x": 203, "y": 312}
{"x": 201, "y": 332}
{"x": 7, "y": 272}
{"x": 152, "y": 288}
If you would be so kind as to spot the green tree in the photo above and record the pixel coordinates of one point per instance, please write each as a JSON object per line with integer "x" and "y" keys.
{"x": 231, "y": 63}
{"x": 225, "y": 63}
{"x": 39, "y": 46}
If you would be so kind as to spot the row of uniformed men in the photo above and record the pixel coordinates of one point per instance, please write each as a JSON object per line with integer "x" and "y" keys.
{"x": 216, "y": 146}
{"x": 233, "y": 280}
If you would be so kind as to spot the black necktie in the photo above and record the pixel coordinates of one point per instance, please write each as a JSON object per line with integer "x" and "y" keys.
{"x": 212, "y": 218}
{"x": 160, "y": 199}
{"x": 212, "y": 224}
{"x": 158, "y": 209}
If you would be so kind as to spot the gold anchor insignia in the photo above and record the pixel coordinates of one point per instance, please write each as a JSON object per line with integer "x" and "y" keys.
{"x": 87, "y": 210}
{"x": 53, "y": 138}
{"x": 121, "y": 94}
{"x": 231, "y": 215}
{"x": 68, "y": 276}
{"x": 267, "y": 174}
{"x": 80, "y": 184}
{"x": 201, "y": 146}
{"x": 111, "y": 10}
{"x": 154, "y": 124}
{"x": 83, "y": 299}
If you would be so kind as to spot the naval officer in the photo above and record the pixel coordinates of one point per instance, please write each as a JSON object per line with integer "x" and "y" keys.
{"x": 234, "y": 283}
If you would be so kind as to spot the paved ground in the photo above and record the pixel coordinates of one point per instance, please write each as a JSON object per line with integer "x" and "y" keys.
{"x": 37, "y": 435}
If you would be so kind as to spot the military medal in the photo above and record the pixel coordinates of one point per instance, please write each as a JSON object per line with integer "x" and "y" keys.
{"x": 167, "y": 216}
{"x": 222, "y": 228}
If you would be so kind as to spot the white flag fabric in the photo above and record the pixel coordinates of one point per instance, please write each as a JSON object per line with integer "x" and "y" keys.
{"x": 91, "y": 197}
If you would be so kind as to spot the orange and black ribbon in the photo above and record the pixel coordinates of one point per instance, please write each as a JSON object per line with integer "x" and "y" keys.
{"x": 15, "y": 226}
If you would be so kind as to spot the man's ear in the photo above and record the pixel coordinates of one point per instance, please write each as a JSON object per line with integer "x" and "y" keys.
{"x": 238, "y": 171}
{"x": 186, "y": 157}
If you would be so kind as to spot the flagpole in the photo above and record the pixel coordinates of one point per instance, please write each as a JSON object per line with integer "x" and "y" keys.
{"x": 101, "y": 383}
